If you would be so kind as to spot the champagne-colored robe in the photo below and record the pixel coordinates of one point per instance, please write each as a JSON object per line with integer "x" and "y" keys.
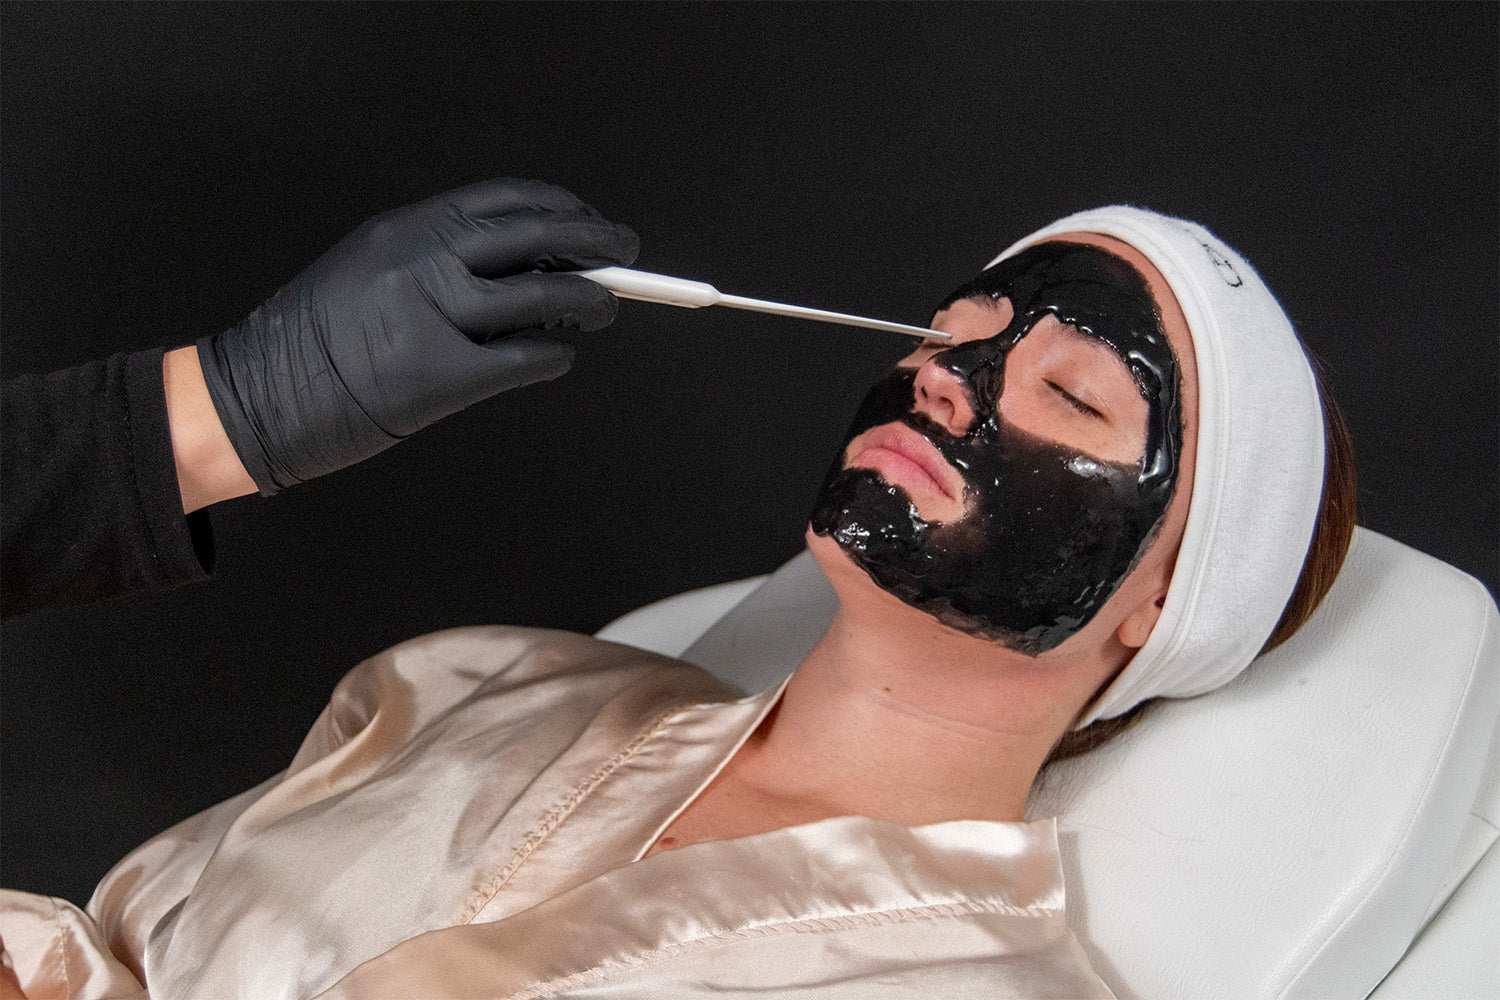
{"x": 467, "y": 818}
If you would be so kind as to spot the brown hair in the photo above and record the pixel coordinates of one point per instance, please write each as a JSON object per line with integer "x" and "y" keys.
{"x": 1332, "y": 533}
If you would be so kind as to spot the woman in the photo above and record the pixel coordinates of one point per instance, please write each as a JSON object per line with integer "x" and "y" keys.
{"x": 1101, "y": 491}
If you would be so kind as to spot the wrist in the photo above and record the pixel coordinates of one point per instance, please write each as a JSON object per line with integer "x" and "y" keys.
{"x": 208, "y": 469}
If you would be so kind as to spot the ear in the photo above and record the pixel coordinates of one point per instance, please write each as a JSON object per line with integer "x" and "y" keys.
{"x": 1136, "y": 628}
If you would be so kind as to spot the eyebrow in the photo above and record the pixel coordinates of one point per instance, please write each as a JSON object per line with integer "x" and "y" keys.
{"x": 1076, "y": 334}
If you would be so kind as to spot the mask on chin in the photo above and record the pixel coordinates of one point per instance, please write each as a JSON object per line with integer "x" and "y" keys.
{"x": 1048, "y": 533}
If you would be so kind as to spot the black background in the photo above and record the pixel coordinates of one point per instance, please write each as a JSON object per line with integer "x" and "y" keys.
{"x": 165, "y": 168}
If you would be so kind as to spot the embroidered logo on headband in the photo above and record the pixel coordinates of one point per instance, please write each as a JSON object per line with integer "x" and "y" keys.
{"x": 1220, "y": 260}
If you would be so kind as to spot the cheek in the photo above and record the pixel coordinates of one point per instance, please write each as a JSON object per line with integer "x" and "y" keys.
{"x": 1029, "y": 403}
{"x": 1160, "y": 560}
{"x": 1023, "y": 407}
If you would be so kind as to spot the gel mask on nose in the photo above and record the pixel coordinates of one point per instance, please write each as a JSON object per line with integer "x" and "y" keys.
{"x": 1048, "y": 533}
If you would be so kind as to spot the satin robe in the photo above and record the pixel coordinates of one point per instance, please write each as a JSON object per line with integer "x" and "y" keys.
{"x": 468, "y": 818}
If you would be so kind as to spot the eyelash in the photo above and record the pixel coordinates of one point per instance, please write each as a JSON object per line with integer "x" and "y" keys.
{"x": 1075, "y": 402}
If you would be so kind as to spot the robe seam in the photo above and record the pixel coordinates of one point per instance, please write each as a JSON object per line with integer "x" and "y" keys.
{"x": 58, "y": 943}
{"x": 801, "y": 925}
{"x": 724, "y": 759}
{"x": 558, "y": 814}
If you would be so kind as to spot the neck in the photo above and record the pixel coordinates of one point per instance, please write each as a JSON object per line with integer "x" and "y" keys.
{"x": 895, "y": 716}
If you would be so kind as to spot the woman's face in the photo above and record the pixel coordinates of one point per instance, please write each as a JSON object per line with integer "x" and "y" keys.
{"x": 1012, "y": 481}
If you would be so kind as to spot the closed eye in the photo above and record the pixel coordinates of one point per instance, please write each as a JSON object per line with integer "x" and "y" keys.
{"x": 1075, "y": 402}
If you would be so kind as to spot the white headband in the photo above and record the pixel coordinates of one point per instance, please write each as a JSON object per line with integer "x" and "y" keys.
{"x": 1258, "y": 478}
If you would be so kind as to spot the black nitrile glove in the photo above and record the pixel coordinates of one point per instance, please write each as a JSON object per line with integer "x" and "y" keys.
{"x": 412, "y": 317}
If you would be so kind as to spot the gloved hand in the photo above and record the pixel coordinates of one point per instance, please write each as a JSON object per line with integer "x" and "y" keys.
{"x": 412, "y": 317}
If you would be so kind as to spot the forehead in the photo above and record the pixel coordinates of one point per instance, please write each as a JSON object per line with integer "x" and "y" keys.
{"x": 1173, "y": 322}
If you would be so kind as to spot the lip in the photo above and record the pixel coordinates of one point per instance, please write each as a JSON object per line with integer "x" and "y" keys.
{"x": 898, "y": 451}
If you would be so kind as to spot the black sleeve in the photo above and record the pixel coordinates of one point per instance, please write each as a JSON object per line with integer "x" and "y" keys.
{"x": 89, "y": 505}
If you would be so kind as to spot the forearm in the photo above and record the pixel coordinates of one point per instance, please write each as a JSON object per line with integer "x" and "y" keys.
{"x": 208, "y": 470}
{"x": 92, "y": 508}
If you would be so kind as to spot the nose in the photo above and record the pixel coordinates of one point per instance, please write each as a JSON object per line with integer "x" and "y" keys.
{"x": 941, "y": 395}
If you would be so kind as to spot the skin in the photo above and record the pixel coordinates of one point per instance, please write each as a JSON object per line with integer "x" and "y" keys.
{"x": 898, "y": 717}
{"x": 208, "y": 470}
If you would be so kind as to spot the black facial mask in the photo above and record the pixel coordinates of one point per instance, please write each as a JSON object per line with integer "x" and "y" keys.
{"x": 1048, "y": 533}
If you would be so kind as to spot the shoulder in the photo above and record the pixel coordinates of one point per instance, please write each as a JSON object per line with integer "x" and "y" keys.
{"x": 509, "y": 671}
{"x": 509, "y": 656}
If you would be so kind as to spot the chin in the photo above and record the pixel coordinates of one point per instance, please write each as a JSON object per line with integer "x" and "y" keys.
{"x": 825, "y": 550}
{"x": 840, "y": 568}
{"x": 854, "y": 586}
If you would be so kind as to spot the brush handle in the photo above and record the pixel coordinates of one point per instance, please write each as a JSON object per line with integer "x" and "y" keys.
{"x": 668, "y": 291}
{"x": 644, "y": 286}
